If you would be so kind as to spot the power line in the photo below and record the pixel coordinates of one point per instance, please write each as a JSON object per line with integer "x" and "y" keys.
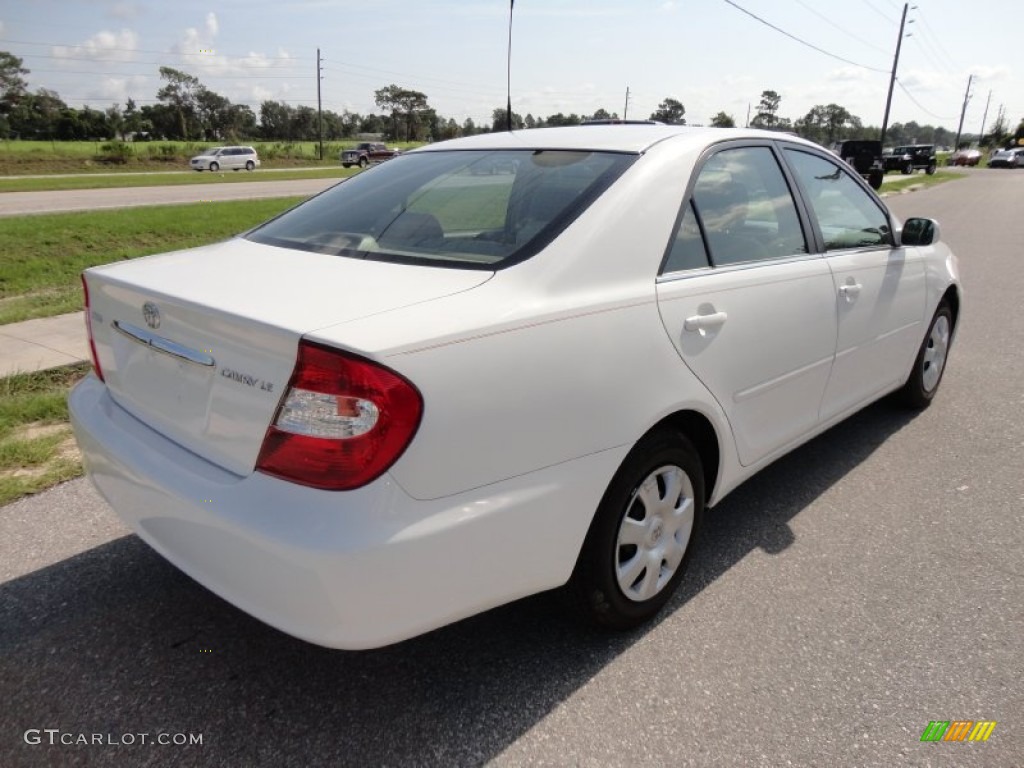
{"x": 841, "y": 28}
{"x": 880, "y": 13}
{"x": 921, "y": 106}
{"x": 800, "y": 40}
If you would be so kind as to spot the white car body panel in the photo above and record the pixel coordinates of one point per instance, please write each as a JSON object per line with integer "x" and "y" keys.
{"x": 881, "y": 323}
{"x": 768, "y": 363}
{"x": 536, "y": 380}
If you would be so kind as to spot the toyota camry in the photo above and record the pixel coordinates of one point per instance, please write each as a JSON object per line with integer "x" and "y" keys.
{"x": 431, "y": 390}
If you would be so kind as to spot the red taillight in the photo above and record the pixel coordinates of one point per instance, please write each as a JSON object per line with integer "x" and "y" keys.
{"x": 343, "y": 421}
{"x": 88, "y": 328}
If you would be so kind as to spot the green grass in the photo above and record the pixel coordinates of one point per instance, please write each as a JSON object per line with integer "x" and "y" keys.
{"x": 921, "y": 180}
{"x": 36, "y": 449}
{"x": 157, "y": 179}
{"x": 19, "y": 157}
{"x": 41, "y": 257}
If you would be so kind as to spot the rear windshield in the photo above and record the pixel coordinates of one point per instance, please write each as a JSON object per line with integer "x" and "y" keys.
{"x": 472, "y": 209}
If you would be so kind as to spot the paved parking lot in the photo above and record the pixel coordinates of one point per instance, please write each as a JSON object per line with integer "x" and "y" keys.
{"x": 861, "y": 587}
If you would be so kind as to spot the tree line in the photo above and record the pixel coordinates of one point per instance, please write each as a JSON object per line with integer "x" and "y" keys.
{"x": 186, "y": 110}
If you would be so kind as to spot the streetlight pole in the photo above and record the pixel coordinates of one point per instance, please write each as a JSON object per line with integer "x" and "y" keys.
{"x": 508, "y": 69}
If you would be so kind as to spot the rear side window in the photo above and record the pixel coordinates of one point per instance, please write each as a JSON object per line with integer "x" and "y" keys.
{"x": 847, "y": 215}
{"x": 470, "y": 209}
{"x": 742, "y": 206}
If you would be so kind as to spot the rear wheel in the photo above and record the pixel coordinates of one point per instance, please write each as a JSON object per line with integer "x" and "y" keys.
{"x": 930, "y": 363}
{"x": 875, "y": 179}
{"x": 907, "y": 169}
{"x": 930, "y": 169}
{"x": 363, "y": 162}
{"x": 214, "y": 167}
{"x": 639, "y": 543}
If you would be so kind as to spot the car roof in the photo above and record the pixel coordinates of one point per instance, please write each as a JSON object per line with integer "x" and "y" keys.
{"x": 634, "y": 139}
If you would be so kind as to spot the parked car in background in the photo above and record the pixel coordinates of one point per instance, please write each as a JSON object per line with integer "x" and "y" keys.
{"x": 226, "y": 158}
{"x": 1008, "y": 158}
{"x": 866, "y": 156}
{"x": 427, "y": 392}
{"x": 911, "y": 157}
{"x": 970, "y": 157}
{"x": 366, "y": 153}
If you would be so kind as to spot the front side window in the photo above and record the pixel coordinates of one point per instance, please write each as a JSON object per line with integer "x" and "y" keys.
{"x": 847, "y": 215}
{"x": 480, "y": 209}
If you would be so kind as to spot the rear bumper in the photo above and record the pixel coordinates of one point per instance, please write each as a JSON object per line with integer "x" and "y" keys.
{"x": 356, "y": 569}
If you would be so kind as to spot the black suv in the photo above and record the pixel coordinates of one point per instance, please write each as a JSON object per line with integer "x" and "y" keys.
{"x": 910, "y": 158}
{"x": 865, "y": 156}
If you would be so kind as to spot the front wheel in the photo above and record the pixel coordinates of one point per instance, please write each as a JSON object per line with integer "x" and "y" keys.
{"x": 908, "y": 169}
{"x": 214, "y": 167}
{"x": 875, "y": 179}
{"x": 250, "y": 165}
{"x": 639, "y": 542}
{"x": 930, "y": 170}
{"x": 363, "y": 162}
{"x": 930, "y": 363}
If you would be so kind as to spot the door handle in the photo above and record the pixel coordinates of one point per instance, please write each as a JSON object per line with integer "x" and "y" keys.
{"x": 703, "y": 322}
{"x": 850, "y": 290}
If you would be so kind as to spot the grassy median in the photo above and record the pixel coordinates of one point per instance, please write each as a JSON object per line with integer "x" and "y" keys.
{"x": 37, "y": 449}
{"x": 164, "y": 179}
{"x": 41, "y": 257}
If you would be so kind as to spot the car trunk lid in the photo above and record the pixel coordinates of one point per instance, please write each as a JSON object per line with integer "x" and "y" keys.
{"x": 200, "y": 344}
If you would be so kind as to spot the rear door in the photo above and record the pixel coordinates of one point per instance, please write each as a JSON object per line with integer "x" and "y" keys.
{"x": 747, "y": 305}
{"x": 879, "y": 289}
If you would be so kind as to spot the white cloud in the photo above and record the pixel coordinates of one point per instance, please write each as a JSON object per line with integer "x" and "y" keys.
{"x": 103, "y": 46}
{"x": 986, "y": 73}
{"x": 212, "y": 27}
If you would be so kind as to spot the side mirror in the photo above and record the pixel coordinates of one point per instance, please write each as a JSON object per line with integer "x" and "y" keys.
{"x": 919, "y": 232}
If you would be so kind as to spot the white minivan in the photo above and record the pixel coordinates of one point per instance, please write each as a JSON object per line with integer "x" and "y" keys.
{"x": 235, "y": 158}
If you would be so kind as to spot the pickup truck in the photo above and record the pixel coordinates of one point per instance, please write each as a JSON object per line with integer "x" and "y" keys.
{"x": 366, "y": 153}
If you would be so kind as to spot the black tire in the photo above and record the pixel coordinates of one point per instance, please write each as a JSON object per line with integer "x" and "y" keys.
{"x": 363, "y": 162}
{"x": 875, "y": 179}
{"x": 661, "y": 458}
{"x": 907, "y": 169}
{"x": 346, "y": 165}
{"x": 923, "y": 382}
{"x": 930, "y": 170}
{"x": 250, "y": 165}
{"x": 214, "y": 167}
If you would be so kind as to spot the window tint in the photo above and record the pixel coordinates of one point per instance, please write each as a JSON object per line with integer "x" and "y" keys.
{"x": 746, "y": 207}
{"x": 687, "y": 250}
{"x": 847, "y": 215}
{"x": 457, "y": 208}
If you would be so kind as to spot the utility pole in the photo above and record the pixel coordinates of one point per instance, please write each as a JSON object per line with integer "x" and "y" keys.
{"x": 892, "y": 79}
{"x": 625, "y": 109}
{"x": 984, "y": 117}
{"x": 748, "y": 116}
{"x": 319, "y": 105}
{"x": 960, "y": 128}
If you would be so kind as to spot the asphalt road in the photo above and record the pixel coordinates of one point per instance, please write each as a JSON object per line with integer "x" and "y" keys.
{"x": 24, "y": 203}
{"x": 868, "y": 583}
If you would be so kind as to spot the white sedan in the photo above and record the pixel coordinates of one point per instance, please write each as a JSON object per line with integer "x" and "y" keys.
{"x": 429, "y": 391}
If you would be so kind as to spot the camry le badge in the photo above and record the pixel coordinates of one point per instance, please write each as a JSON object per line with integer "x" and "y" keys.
{"x": 151, "y": 314}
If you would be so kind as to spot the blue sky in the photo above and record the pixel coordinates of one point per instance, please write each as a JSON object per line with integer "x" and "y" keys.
{"x": 567, "y": 55}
